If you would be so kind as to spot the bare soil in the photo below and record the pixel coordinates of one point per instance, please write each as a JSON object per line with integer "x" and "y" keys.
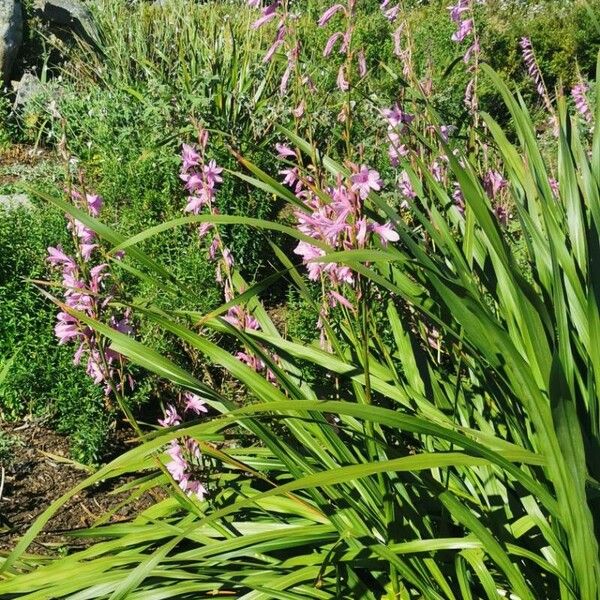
{"x": 41, "y": 473}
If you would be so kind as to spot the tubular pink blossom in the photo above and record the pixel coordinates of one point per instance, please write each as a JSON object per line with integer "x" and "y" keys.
{"x": 284, "y": 151}
{"x": 362, "y": 63}
{"x": 268, "y": 14}
{"x": 578, "y": 93}
{"x": 331, "y": 43}
{"x": 391, "y": 13}
{"x": 299, "y": 110}
{"x": 342, "y": 82}
{"x": 366, "y": 180}
{"x": 465, "y": 29}
{"x": 397, "y": 39}
{"x": 285, "y": 79}
{"x": 271, "y": 51}
{"x": 329, "y": 13}
{"x": 194, "y": 403}
{"x": 336, "y": 298}
{"x": 386, "y": 233}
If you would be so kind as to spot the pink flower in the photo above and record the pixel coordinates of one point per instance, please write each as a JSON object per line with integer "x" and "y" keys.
{"x": 329, "y": 13}
{"x": 189, "y": 157}
{"x": 493, "y": 183}
{"x": 194, "y": 403}
{"x": 405, "y": 186}
{"x": 336, "y": 298}
{"x": 285, "y": 79}
{"x": 299, "y": 110}
{"x": 458, "y": 9}
{"x": 386, "y": 233}
{"x": 578, "y": 93}
{"x": 57, "y": 257}
{"x": 341, "y": 81}
{"x": 66, "y": 328}
{"x": 212, "y": 173}
{"x": 268, "y": 14}
{"x": 284, "y": 151}
{"x": 366, "y": 180}
{"x": 391, "y": 13}
{"x": 473, "y": 49}
{"x": 94, "y": 204}
{"x": 197, "y": 489}
{"x": 464, "y": 29}
{"x": 171, "y": 417}
{"x": 532, "y": 66}
{"x": 204, "y": 228}
{"x": 362, "y": 64}
{"x": 396, "y": 149}
{"x": 396, "y": 116}
{"x": 228, "y": 257}
{"x": 331, "y": 43}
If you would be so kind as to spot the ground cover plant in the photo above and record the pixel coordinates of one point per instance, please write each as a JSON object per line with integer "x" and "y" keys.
{"x": 434, "y": 435}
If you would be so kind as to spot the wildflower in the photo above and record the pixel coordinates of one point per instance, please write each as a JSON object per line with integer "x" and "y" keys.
{"x": 533, "y": 68}
{"x": 386, "y": 233}
{"x": 57, "y": 257}
{"x": 493, "y": 183}
{"x": 189, "y": 156}
{"x": 396, "y": 149}
{"x": 396, "y": 117}
{"x": 268, "y": 14}
{"x": 366, "y": 180}
{"x": 194, "y": 403}
{"x": 464, "y": 30}
{"x": 94, "y": 203}
{"x": 341, "y": 81}
{"x": 212, "y": 174}
{"x": 171, "y": 417}
{"x": 405, "y": 186}
{"x": 362, "y": 64}
{"x": 391, "y": 13}
{"x": 336, "y": 298}
{"x": 331, "y": 42}
{"x": 284, "y": 151}
{"x": 299, "y": 110}
{"x": 458, "y": 198}
{"x": 329, "y": 13}
{"x": 578, "y": 94}
{"x": 397, "y": 39}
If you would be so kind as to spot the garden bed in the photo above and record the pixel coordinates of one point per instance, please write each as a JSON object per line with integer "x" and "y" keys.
{"x": 40, "y": 474}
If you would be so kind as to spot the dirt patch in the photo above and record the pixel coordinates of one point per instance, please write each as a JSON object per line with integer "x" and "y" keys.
{"x": 37, "y": 476}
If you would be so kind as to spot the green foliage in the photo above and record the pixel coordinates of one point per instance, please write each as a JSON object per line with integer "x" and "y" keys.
{"x": 468, "y": 472}
{"x": 40, "y": 378}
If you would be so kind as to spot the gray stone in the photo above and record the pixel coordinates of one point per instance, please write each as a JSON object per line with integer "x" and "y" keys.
{"x": 11, "y": 35}
{"x": 15, "y": 201}
{"x": 72, "y": 15}
{"x": 26, "y": 89}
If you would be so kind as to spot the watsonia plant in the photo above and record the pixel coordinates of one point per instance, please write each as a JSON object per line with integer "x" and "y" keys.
{"x": 448, "y": 448}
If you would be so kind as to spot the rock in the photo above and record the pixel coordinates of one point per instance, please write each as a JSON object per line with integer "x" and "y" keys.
{"x": 70, "y": 14}
{"x": 10, "y": 202}
{"x": 11, "y": 35}
{"x": 26, "y": 89}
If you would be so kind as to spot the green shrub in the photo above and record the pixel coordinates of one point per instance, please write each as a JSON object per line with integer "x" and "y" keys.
{"x": 40, "y": 378}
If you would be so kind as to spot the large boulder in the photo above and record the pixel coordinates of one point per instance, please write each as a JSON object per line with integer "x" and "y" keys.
{"x": 11, "y": 36}
{"x": 70, "y": 15}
